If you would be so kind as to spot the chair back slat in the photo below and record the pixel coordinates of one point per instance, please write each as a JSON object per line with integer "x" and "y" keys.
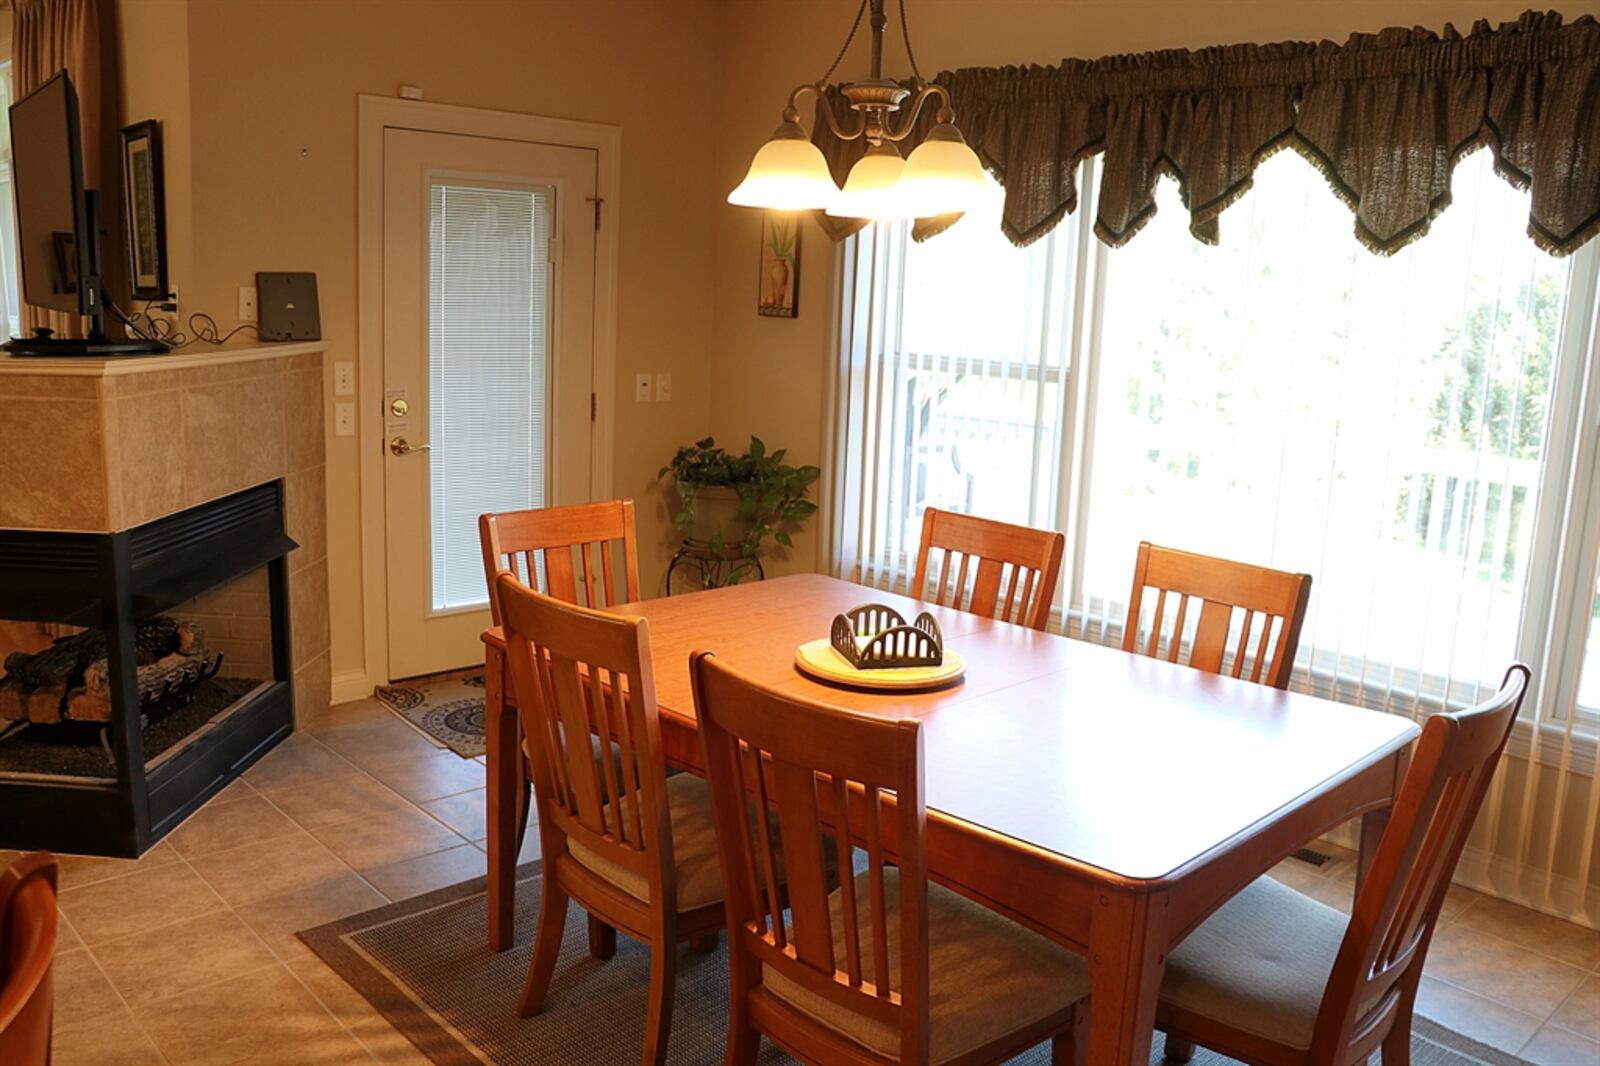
{"x": 1251, "y": 611}
{"x": 829, "y": 773}
{"x": 850, "y": 911}
{"x": 1399, "y": 902}
{"x": 553, "y": 550}
{"x": 1026, "y": 562}
{"x": 800, "y": 828}
{"x": 581, "y": 674}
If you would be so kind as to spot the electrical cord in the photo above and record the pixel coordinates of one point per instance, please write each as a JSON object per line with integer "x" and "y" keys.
{"x": 202, "y": 327}
{"x": 854, "y": 26}
{"x": 209, "y": 333}
{"x": 131, "y": 323}
{"x": 905, "y": 32}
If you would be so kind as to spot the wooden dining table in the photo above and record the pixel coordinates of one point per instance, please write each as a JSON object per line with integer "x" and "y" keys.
{"x": 1107, "y": 800}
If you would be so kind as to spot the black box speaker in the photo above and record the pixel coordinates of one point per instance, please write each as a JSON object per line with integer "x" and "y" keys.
{"x": 286, "y": 307}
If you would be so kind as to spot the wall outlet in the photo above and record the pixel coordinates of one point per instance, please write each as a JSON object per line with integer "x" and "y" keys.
{"x": 247, "y": 303}
{"x": 663, "y": 387}
{"x": 344, "y": 420}
{"x": 344, "y": 378}
{"x": 641, "y": 388}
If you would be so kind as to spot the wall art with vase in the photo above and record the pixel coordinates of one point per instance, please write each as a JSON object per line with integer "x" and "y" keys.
{"x": 779, "y": 283}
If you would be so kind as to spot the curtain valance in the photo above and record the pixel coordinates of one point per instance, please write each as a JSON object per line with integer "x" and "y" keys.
{"x": 1384, "y": 116}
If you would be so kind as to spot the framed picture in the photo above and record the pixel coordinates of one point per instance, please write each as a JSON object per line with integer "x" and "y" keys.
{"x": 145, "y": 209}
{"x": 779, "y": 283}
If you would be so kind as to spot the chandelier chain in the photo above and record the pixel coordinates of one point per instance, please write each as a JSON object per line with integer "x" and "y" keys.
{"x": 905, "y": 33}
{"x": 854, "y": 26}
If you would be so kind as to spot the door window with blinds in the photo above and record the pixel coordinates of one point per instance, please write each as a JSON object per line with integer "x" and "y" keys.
{"x": 1402, "y": 428}
{"x": 489, "y": 370}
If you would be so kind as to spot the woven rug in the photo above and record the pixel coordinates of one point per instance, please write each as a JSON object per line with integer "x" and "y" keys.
{"x": 447, "y": 707}
{"x": 424, "y": 964}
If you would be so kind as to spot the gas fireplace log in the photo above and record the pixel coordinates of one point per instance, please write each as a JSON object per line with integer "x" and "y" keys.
{"x": 71, "y": 679}
{"x": 42, "y": 704}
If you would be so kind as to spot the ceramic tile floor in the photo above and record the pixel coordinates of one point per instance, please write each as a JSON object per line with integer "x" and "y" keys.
{"x": 188, "y": 955}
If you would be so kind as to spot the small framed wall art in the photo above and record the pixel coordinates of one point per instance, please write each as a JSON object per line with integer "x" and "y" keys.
{"x": 145, "y": 208}
{"x": 779, "y": 281}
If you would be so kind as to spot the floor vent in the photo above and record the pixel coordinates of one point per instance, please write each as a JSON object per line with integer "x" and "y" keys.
{"x": 1315, "y": 858}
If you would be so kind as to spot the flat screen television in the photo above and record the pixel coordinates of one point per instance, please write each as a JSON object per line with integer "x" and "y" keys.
{"x": 58, "y": 224}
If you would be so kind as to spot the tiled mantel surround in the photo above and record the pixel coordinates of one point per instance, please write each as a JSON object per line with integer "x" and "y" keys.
{"x": 101, "y": 445}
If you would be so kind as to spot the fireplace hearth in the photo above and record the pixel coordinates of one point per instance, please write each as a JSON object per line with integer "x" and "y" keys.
{"x": 135, "y": 716}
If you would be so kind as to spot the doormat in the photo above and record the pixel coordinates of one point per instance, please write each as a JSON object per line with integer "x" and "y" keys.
{"x": 447, "y": 707}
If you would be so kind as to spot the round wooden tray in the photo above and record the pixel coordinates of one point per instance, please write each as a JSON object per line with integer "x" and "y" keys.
{"x": 818, "y": 659}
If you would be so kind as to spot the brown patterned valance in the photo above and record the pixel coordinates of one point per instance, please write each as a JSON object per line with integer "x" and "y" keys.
{"x": 1384, "y": 116}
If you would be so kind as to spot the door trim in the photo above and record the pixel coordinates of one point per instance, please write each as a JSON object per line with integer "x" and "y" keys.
{"x": 376, "y": 114}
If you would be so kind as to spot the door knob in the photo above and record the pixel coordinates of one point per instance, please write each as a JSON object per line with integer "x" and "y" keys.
{"x": 401, "y": 446}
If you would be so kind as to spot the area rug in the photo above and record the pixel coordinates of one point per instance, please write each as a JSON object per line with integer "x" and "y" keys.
{"x": 424, "y": 964}
{"x": 447, "y": 707}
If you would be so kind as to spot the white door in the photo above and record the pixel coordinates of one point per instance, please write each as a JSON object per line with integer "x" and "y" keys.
{"x": 488, "y": 330}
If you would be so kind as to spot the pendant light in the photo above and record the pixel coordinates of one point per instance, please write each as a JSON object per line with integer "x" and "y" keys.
{"x": 942, "y": 175}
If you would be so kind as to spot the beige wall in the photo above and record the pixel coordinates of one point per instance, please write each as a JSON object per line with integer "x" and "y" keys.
{"x": 271, "y": 89}
{"x": 767, "y": 375}
{"x": 153, "y": 49}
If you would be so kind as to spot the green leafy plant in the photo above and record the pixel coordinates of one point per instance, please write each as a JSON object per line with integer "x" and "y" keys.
{"x": 771, "y": 492}
{"x": 781, "y": 241}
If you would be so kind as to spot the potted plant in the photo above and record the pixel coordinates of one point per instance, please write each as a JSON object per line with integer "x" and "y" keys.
{"x": 733, "y": 503}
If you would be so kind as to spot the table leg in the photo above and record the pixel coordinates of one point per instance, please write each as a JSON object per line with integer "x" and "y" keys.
{"x": 1127, "y": 940}
{"x": 1373, "y": 823}
{"x": 504, "y": 781}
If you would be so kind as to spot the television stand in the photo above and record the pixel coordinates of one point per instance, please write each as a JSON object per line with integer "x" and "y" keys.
{"x": 43, "y": 342}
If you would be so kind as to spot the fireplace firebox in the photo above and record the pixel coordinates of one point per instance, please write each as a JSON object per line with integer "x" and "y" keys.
{"x": 133, "y": 658}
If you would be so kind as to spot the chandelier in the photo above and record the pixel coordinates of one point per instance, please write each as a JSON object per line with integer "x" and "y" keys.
{"x": 942, "y": 175}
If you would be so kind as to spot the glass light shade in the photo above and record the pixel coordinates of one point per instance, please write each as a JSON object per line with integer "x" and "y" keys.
{"x": 943, "y": 175}
{"x": 787, "y": 174}
{"x": 872, "y": 189}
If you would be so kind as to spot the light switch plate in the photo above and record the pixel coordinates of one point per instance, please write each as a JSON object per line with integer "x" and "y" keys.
{"x": 641, "y": 388}
{"x": 344, "y": 378}
{"x": 663, "y": 387}
{"x": 344, "y": 420}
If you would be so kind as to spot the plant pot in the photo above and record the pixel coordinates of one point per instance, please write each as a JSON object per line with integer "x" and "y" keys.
{"x": 716, "y": 509}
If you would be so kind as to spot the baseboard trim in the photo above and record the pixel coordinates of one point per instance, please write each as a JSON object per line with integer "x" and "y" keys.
{"x": 1557, "y": 895}
{"x": 351, "y": 685}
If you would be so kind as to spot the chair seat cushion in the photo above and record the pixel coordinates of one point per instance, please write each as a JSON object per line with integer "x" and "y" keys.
{"x": 694, "y": 849}
{"x": 988, "y": 976}
{"x": 1260, "y": 964}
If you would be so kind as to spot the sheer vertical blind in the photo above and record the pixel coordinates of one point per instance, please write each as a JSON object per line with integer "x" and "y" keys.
{"x": 1416, "y": 431}
{"x": 488, "y": 370}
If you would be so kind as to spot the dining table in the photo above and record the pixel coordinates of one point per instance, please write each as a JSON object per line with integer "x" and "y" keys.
{"x": 1107, "y": 800}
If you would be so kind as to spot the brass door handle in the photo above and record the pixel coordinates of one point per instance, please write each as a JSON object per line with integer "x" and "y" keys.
{"x": 401, "y": 446}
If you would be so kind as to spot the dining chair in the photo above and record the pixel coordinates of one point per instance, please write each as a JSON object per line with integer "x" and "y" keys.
{"x": 552, "y": 549}
{"x": 1273, "y": 603}
{"x": 634, "y": 848}
{"x": 28, "y": 923}
{"x": 885, "y": 967}
{"x": 1027, "y": 561}
{"x": 1275, "y": 977}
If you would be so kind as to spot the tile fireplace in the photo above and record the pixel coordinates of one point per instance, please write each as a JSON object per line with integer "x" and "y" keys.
{"x": 163, "y": 584}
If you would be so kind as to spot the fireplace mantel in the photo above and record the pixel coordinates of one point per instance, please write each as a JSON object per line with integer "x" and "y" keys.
{"x": 103, "y": 445}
